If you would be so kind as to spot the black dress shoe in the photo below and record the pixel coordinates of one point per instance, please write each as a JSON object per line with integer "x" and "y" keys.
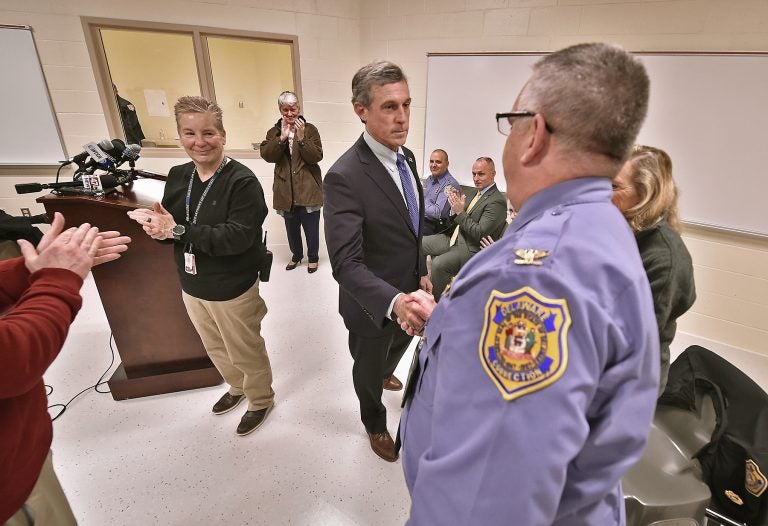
{"x": 312, "y": 270}
{"x": 252, "y": 420}
{"x": 227, "y": 403}
{"x": 292, "y": 265}
{"x": 383, "y": 445}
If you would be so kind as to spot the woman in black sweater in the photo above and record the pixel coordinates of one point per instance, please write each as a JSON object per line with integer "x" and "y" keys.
{"x": 212, "y": 210}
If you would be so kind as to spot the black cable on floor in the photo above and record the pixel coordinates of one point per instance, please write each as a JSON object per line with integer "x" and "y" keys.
{"x": 95, "y": 386}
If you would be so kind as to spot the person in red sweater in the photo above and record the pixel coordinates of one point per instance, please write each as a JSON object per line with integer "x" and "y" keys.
{"x": 39, "y": 298}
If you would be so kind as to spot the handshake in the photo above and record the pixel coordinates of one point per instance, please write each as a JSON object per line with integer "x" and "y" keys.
{"x": 414, "y": 309}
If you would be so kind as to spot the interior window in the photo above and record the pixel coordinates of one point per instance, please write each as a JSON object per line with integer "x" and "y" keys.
{"x": 144, "y": 70}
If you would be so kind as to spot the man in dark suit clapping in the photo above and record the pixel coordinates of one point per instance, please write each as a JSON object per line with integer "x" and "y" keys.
{"x": 373, "y": 214}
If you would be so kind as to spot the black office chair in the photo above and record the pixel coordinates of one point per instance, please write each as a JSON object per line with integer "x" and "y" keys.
{"x": 719, "y": 416}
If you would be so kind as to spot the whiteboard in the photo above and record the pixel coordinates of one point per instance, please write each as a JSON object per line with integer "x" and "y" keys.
{"x": 708, "y": 111}
{"x": 29, "y": 134}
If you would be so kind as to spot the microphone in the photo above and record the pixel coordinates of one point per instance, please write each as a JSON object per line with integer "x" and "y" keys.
{"x": 114, "y": 156}
{"x": 93, "y": 185}
{"x": 125, "y": 177}
{"x": 81, "y": 158}
{"x": 128, "y": 153}
{"x": 105, "y": 154}
{"x": 93, "y": 157}
{"x": 107, "y": 181}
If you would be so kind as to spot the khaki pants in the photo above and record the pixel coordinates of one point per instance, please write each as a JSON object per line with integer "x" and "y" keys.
{"x": 231, "y": 333}
{"x": 46, "y": 505}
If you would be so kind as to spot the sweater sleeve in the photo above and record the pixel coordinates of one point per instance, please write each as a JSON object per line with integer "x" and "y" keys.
{"x": 33, "y": 330}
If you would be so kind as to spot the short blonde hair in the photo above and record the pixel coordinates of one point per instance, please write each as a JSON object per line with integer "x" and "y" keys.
{"x": 651, "y": 176}
{"x": 197, "y": 104}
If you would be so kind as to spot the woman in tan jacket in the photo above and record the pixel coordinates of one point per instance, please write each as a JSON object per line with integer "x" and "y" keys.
{"x": 294, "y": 146}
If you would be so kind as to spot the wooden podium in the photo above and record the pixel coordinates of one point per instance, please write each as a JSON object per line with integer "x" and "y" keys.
{"x": 160, "y": 350}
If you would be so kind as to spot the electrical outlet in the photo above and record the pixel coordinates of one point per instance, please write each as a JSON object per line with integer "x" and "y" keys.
{"x": 25, "y": 212}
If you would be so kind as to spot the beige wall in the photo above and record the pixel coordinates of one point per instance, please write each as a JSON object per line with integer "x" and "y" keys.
{"x": 731, "y": 271}
{"x": 329, "y": 42}
{"x": 336, "y": 36}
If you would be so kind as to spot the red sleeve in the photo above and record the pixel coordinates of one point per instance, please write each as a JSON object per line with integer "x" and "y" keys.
{"x": 14, "y": 280}
{"x": 33, "y": 330}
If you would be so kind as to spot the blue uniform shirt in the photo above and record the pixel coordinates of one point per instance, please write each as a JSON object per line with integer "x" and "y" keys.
{"x": 539, "y": 373}
{"x": 435, "y": 198}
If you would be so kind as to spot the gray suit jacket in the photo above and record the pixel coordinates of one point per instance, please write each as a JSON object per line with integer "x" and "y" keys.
{"x": 487, "y": 218}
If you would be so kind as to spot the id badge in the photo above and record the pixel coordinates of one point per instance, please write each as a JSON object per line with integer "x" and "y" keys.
{"x": 189, "y": 263}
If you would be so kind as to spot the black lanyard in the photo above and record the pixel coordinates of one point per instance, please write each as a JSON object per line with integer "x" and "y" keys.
{"x": 205, "y": 192}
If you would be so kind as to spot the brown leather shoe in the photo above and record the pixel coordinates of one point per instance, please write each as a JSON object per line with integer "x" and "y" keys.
{"x": 392, "y": 384}
{"x": 383, "y": 445}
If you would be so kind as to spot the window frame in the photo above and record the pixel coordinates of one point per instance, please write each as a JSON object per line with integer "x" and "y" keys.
{"x": 199, "y": 34}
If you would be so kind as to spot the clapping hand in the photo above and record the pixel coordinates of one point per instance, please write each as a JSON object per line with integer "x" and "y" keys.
{"x": 157, "y": 223}
{"x": 76, "y": 249}
{"x": 456, "y": 199}
{"x": 285, "y": 130}
{"x": 299, "y": 128}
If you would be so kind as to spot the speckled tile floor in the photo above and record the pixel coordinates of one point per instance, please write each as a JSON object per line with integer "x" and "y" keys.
{"x": 167, "y": 460}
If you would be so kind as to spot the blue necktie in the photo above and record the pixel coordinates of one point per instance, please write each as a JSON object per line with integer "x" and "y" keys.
{"x": 410, "y": 197}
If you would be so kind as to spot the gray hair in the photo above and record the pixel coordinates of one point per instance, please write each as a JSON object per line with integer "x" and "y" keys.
{"x": 197, "y": 104}
{"x": 594, "y": 97}
{"x": 374, "y": 74}
{"x": 287, "y": 97}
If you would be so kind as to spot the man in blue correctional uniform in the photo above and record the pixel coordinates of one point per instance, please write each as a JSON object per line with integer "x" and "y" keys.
{"x": 436, "y": 207}
{"x": 538, "y": 375}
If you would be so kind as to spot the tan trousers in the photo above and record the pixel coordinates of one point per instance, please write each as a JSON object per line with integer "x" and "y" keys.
{"x": 231, "y": 333}
{"x": 47, "y": 505}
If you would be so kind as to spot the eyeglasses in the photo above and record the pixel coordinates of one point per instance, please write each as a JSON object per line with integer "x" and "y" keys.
{"x": 504, "y": 120}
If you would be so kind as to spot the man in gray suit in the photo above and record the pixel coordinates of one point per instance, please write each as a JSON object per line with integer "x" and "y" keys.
{"x": 483, "y": 215}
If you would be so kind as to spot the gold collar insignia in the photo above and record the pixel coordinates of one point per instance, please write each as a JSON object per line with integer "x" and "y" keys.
{"x": 530, "y": 256}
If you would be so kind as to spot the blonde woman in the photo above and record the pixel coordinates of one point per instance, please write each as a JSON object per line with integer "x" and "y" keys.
{"x": 646, "y": 194}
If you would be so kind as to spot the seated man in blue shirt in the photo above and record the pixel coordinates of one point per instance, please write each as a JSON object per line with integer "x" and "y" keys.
{"x": 436, "y": 207}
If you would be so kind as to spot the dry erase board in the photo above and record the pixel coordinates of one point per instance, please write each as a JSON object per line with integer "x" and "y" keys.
{"x": 708, "y": 111}
{"x": 29, "y": 134}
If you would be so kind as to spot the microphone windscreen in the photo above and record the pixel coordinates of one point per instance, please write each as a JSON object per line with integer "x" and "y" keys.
{"x": 132, "y": 152}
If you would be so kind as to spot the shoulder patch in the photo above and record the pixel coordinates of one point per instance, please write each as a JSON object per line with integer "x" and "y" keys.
{"x": 524, "y": 345}
{"x": 755, "y": 481}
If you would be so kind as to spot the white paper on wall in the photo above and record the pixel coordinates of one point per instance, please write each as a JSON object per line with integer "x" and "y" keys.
{"x": 157, "y": 103}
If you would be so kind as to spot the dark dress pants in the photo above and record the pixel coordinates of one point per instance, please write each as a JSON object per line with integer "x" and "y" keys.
{"x": 375, "y": 359}
{"x": 296, "y": 220}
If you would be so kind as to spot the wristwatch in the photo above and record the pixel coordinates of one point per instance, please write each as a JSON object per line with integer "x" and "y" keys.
{"x": 178, "y": 231}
